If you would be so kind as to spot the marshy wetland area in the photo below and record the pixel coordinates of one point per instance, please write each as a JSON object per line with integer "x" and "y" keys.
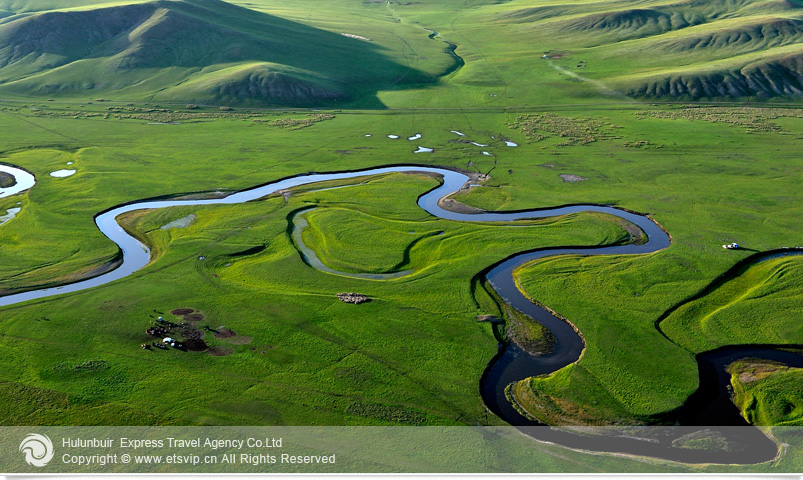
{"x": 510, "y": 224}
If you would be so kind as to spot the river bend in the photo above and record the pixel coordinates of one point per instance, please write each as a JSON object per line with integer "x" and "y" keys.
{"x": 510, "y": 364}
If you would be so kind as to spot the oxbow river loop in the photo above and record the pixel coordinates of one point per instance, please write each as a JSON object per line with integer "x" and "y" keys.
{"x": 511, "y": 364}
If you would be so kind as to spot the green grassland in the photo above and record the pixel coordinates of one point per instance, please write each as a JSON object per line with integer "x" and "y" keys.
{"x": 352, "y": 240}
{"x": 353, "y": 367}
{"x": 210, "y": 154}
{"x": 68, "y": 260}
{"x": 758, "y": 306}
{"x": 414, "y": 354}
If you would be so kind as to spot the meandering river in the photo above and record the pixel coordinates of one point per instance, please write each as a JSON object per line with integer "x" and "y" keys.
{"x": 24, "y": 180}
{"x": 511, "y": 364}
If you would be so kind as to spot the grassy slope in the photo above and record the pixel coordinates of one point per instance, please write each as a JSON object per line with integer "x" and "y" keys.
{"x": 741, "y": 49}
{"x": 28, "y": 6}
{"x": 761, "y": 305}
{"x": 155, "y": 50}
{"x": 664, "y": 49}
{"x": 768, "y": 393}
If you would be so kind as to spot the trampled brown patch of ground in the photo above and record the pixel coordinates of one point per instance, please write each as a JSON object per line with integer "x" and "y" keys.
{"x": 181, "y": 311}
{"x": 220, "y": 351}
{"x": 570, "y": 178}
{"x": 456, "y": 206}
{"x": 351, "y": 297}
{"x": 194, "y": 317}
{"x": 195, "y": 345}
{"x": 240, "y": 340}
{"x": 753, "y": 370}
{"x": 189, "y": 332}
{"x": 225, "y": 333}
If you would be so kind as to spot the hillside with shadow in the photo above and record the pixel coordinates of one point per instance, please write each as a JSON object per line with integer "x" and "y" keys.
{"x": 198, "y": 51}
{"x": 690, "y": 49}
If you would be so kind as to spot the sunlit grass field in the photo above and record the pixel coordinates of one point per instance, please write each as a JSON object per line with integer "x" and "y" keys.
{"x": 710, "y": 174}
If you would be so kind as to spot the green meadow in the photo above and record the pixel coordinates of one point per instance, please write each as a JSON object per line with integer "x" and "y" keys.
{"x": 682, "y": 112}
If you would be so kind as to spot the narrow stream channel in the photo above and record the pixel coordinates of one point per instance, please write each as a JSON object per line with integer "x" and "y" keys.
{"x": 511, "y": 364}
{"x": 23, "y": 180}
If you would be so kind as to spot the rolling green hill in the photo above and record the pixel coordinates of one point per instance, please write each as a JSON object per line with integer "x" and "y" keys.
{"x": 358, "y": 54}
{"x": 198, "y": 51}
{"x": 690, "y": 49}
{"x": 767, "y": 393}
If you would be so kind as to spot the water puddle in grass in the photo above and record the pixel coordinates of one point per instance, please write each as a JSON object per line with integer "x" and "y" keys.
{"x": 789, "y": 253}
{"x": 424, "y": 150}
{"x": 414, "y": 137}
{"x": 24, "y": 181}
{"x": 487, "y": 154}
{"x": 458, "y": 133}
{"x": 511, "y": 144}
{"x": 393, "y": 136}
{"x": 479, "y": 144}
{"x": 10, "y": 213}
{"x": 62, "y": 173}
{"x": 183, "y": 222}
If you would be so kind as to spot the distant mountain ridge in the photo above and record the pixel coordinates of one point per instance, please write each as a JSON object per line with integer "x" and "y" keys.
{"x": 689, "y": 49}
